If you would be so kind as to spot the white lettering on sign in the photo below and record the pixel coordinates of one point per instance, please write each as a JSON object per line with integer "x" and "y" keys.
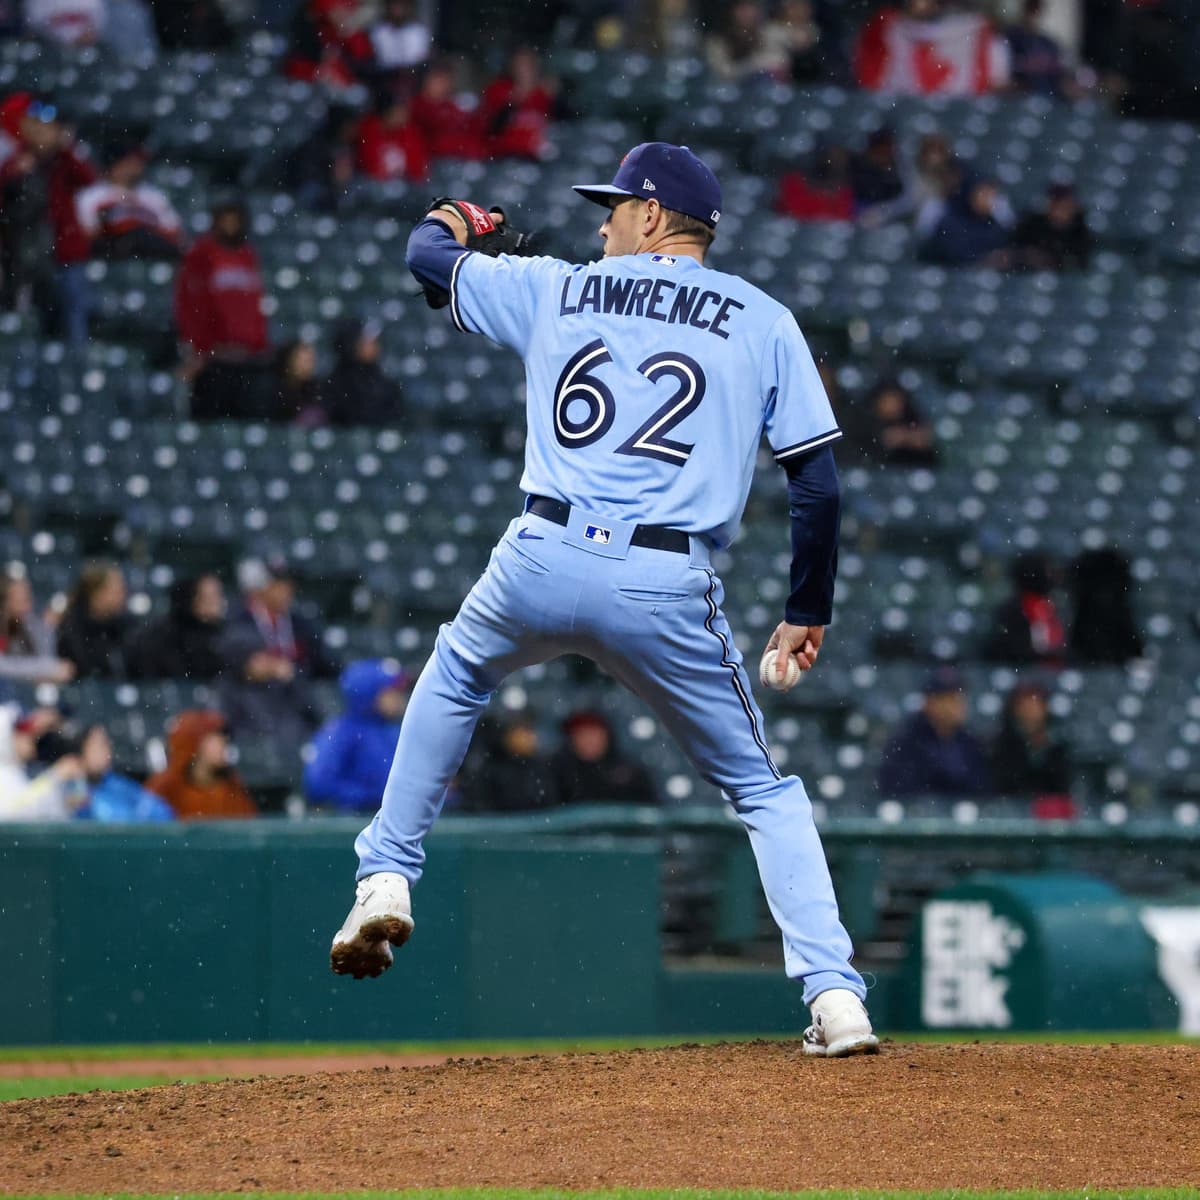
{"x": 965, "y": 948}
{"x": 1177, "y": 932}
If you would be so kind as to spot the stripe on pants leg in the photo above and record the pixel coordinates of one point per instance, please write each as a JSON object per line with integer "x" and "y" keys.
{"x": 726, "y": 661}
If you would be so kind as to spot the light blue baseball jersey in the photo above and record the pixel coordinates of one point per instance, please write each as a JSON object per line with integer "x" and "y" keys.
{"x": 650, "y": 380}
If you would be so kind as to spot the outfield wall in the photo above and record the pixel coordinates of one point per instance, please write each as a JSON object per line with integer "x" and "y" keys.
{"x": 525, "y": 928}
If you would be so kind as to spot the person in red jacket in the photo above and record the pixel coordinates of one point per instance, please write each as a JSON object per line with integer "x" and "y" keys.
{"x": 518, "y": 106}
{"x": 390, "y": 146}
{"x": 822, "y": 191}
{"x": 448, "y": 129}
{"x": 219, "y": 314}
{"x": 329, "y": 43}
{"x": 44, "y": 249}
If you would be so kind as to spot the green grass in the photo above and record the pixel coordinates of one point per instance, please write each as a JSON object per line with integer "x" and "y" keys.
{"x": 186, "y": 1050}
{"x": 62, "y": 1085}
{"x": 679, "y": 1194}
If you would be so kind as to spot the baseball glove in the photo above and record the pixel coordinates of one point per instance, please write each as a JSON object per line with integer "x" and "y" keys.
{"x": 485, "y": 234}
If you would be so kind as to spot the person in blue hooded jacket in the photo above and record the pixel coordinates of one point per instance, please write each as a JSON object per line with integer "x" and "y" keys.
{"x": 975, "y": 230}
{"x": 351, "y": 755}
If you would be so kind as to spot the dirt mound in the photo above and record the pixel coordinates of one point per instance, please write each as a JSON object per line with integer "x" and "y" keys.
{"x": 229, "y": 1065}
{"x": 750, "y": 1115}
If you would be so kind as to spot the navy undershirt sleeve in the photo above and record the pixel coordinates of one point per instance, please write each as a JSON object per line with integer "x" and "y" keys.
{"x": 815, "y": 504}
{"x": 432, "y": 252}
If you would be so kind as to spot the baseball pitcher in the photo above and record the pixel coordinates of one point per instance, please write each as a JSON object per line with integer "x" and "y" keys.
{"x": 650, "y": 382}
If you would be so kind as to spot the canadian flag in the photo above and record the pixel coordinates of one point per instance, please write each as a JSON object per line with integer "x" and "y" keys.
{"x": 956, "y": 55}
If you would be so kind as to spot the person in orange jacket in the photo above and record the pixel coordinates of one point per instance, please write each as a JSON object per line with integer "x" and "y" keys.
{"x": 199, "y": 782}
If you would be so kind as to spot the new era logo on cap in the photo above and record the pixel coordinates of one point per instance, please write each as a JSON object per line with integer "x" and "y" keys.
{"x": 673, "y": 175}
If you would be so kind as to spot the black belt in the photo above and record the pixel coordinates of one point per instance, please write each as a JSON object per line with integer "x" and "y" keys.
{"x": 648, "y": 537}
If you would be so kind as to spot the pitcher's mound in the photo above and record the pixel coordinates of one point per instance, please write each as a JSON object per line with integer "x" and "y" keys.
{"x": 749, "y": 1115}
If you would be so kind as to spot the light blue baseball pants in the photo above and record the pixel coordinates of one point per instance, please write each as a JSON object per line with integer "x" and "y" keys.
{"x": 652, "y": 619}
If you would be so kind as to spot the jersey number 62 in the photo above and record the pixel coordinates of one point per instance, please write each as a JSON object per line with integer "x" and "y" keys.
{"x": 579, "y": 385}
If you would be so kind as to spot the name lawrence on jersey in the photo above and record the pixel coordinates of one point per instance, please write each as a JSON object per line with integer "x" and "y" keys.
{"x": 653, "y": 299}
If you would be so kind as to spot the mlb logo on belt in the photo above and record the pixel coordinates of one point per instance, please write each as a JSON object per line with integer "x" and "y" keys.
{"x": 594, "y": 533}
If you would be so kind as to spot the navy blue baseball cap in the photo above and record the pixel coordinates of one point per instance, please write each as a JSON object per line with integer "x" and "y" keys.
{"x": 672, "y": 175}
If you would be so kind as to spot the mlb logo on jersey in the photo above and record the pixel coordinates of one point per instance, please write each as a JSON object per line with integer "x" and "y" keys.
{"x": 595, "y": 533}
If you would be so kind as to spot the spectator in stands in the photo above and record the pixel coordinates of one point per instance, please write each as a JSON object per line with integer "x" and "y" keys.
{"x": 448, "y": 128}
{"x": 875, "y": 176}
{"x": 68, "y": 22}
{"x": 357, "y": 392}
{"x": 1036, "y": 63}
{"x": 18, "y": 743}
{"x": 219, "y": 312}
{"x": 1103, "y": 627}
{"x": 308, "y": 57}
{"x": 822, "y": 191}
{"x": 82, "y": 772}
{"x": 1027, "y": 628}
{"x": 518, "y": 107}
{"x": 934, "y": 754}
{"x": 185, "y": 642}
{"x": 352, "y": 754}
{"x": 919, "y": 50}
{"x": 800, "y": 34}
{"x": 589, "y": 769}
{"x": 400, "y": 41}
{"x": 269, "y": 651}
{"x": 112, "y": 796}
{"x": 45, "y": 251}
{"x": 1057, "y": 238}
{"x": 320, "y": 170}
{"x": 95, "y": 630}
{"x": 123, "y": 216}
{"x": 1028, "y": 757}
{"x": 510, "y": 774}
{"x": 390, "y": 146}
{"x": 27, "y": 651}
{"x": 887, "y": 427}
{"x": 297, "y": 389}
{"x": 749, "y": 45}
{"x": 329, "y": 43}
{"x": 975, "y": 228}
{"x": 15, "y": 751}
{"x": 191, "y": 25}
{"x": 33, "y": 785}
{"x": 936, "y": 176}
{"x": 199, "y": 782}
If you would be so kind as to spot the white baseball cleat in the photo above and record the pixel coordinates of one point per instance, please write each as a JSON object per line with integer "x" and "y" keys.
{"x": 380, "y": 919}
{"x": 840, "y": 1026}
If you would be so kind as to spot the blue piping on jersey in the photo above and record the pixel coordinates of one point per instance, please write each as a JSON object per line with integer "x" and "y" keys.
{"x": 726, "y": 661}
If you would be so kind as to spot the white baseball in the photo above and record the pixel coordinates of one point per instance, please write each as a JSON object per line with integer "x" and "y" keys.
{"x": 768, "y": 672}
